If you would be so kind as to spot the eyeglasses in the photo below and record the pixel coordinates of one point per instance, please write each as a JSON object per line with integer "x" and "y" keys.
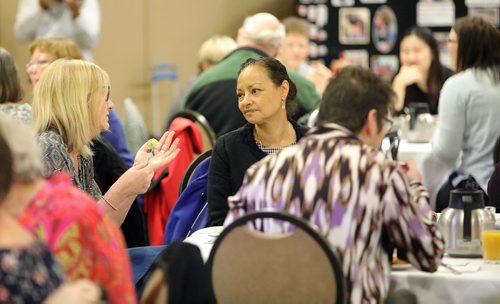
{"x": 37, "y": 63}
{"x": 388, "y": 125}
{"x": 109, "y": 93}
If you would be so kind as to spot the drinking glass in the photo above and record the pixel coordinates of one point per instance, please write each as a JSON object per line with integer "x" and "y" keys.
{"x": 490, "y": 237}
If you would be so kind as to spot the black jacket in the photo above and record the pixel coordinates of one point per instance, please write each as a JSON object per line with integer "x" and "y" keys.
{"x": 232, "y": 155}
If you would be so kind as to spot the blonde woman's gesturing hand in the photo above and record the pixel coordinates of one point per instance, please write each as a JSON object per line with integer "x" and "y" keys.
{"x": 158, "y": 153}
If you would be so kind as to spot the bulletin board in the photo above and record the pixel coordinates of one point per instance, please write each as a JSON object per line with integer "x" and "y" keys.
{"x": 367, "y": 30}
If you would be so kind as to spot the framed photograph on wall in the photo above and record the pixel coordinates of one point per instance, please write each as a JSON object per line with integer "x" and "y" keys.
{"x": 490, "y": 14}
{"x": 354, "y": 25}
{"x": 340, "y": 3}
{"x": 384, "y": 29}
{"x": 357, "y": 57}
{"x": 385, "y": 66}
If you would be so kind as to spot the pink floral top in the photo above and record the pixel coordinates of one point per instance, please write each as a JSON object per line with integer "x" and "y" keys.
{"x": 86, "y": 243}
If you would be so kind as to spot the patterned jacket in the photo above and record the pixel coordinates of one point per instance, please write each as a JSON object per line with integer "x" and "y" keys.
{"x": 357, "y": 198}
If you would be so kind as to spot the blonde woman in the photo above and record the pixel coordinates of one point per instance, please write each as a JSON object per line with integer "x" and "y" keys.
{"x": 71, "y": 107}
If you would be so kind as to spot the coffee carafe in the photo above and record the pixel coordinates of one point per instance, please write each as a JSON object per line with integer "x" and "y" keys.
{"x": 462, "y": 222}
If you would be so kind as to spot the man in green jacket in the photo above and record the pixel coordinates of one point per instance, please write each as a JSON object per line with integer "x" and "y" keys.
{"x": 214, "y": 92}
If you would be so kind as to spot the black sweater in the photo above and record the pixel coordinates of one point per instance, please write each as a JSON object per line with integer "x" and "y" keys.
{"x": 232, "y": 155}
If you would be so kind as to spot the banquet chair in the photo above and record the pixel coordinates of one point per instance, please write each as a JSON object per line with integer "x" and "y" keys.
{"x": 394, "y": 141}
{"x": 188, "y": 174}
{"x": 177, "y": 275}
{"x": 290, "y": 264}
{"x": 190, "y": 212}
{"x": 207, "y": 132}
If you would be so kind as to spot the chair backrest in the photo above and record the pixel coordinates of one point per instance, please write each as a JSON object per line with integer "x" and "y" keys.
{"x": 156, "y": 288}
{"x": 188, "y": 174}
{"x": 189, "y": 212}
{"x": 178, "y": 275}
{"x": 394, "y": 141}
{"x": 207, "y": 132}
{"x": 293, "y": 266}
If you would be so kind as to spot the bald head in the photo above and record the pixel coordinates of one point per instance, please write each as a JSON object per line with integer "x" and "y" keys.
{"x": 262, "y": 31}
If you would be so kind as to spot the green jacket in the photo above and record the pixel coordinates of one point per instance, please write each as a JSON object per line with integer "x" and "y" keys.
{"x": 214, "y": 92}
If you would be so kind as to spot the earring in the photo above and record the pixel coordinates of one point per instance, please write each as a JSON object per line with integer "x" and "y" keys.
{"x": 283, "y": 103}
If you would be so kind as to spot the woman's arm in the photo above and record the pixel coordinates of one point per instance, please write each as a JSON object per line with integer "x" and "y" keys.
{"x": 28, "y": 17}
{"x": 406, "y": 76}
{"x": 88, "y": 24}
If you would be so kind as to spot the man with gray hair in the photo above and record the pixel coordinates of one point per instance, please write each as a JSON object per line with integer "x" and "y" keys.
{"x": 214, "y": 92}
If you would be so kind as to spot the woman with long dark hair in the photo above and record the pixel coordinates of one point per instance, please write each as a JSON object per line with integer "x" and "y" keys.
{"x": 421, "y": 75}
{"x": 469, "y": 106}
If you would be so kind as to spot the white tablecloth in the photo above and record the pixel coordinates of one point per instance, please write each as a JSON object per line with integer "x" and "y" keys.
{"x": 478, "y": 283}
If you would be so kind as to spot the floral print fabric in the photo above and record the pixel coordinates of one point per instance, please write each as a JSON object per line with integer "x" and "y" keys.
{"x": 86, "y": 243}
{"x": 56, "y": 158}
{"x": 28, "y": 274}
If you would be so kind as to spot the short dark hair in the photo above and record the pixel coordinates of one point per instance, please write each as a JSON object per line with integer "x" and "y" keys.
{"x": 434, "y": 78}
{"x": 277, "y": 72}
{"x": 10, "y": 85}
{"x": 351, "y": 95}
{"x": 478, "y": 45}
{"x": 5, "y": 168}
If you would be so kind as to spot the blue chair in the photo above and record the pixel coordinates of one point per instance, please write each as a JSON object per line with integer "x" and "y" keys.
{"x": 190, "y": 211}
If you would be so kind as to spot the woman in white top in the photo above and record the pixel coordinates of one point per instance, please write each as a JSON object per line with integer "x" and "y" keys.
{"x": 469, "y": 106}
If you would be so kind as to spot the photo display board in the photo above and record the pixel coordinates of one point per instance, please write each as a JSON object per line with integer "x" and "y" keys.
{"x": 368, "y": 32}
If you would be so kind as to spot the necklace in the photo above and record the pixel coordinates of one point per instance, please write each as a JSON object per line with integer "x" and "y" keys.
{"x": 291, "y": 134}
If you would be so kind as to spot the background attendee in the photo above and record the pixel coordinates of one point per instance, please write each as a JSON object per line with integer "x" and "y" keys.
{"x": 337, "y": 178}
{"x": 86, "y": 242}
{"x": 469, "y": 106}
{"x": 28, "y": 271}
{"x": 78, "y": 20}
{"x": 421, "y": 75}
{"x": 11, "y": 92}
{"x": 211, "y": 52}
{"x": 45, "y": 51}
{"x": 213, "y": 94}
{"x": 70, "y": 108}
{"x": 111, "y": 155}
{"x": 294, "y": 52}
{"x": 264, "y": 89}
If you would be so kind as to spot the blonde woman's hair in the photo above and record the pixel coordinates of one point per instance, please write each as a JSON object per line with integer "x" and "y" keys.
{"x": 67, "y": 100}
{"x": 26, "y": 155}
{"x": 57, "y": 48}
{"x": 214, "y": 50}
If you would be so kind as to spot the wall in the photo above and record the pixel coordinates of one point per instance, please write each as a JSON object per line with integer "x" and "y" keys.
{"x": 137, "y": 34}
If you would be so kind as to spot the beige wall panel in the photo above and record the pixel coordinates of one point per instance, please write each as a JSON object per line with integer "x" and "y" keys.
{"x": 136, "y": 34}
